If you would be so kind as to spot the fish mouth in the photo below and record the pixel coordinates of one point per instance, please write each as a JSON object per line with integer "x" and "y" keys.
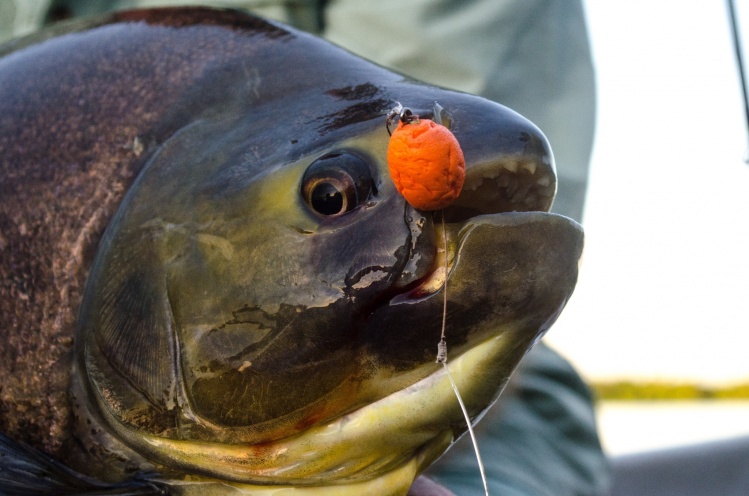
{"x": 511, "y": 184}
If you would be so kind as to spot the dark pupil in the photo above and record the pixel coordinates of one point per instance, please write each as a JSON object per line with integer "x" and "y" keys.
{"x": 327, "y": 199}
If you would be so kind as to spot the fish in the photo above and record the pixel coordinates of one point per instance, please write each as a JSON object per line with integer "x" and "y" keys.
{"x": 209, "y": 282}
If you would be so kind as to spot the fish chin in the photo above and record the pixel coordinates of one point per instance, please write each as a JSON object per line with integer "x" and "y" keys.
{"x": 381, "y": 447}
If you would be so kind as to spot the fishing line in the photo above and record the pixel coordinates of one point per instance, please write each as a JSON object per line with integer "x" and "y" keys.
{"x": 439, "y": 156}
{"x": 442, "y": 345}
{"x": 739, "y": 61}
{"x": 442, "y": 358}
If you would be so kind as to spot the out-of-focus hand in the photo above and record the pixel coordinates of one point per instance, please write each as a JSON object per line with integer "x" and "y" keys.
{"x": 427, "y": 487}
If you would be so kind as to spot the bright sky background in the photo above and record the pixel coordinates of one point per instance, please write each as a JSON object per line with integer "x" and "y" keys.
{"x": 664, "y": 287}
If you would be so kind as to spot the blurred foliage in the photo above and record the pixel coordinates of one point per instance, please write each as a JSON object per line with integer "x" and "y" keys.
{"x": 659, "y": 391}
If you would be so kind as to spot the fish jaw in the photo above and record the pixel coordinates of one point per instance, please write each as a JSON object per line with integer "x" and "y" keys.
{"x": 516, "y": 293}
{"x": 381, "y": 447}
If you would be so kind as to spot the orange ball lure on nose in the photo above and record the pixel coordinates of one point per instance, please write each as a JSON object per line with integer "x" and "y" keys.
{"x": 425, "y": 161}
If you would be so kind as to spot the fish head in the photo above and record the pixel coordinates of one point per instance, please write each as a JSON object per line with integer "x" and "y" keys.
{"x": 265, "y": 307}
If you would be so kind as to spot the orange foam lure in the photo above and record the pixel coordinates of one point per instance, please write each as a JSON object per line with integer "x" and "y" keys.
{"x": 426, "y": 164}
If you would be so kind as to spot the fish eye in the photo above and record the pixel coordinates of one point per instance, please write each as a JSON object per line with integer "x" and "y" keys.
{"x": 337, "y": 183}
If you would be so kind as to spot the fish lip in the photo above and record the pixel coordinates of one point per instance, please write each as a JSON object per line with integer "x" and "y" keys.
{"x": 453, "y": 236}
{"x": 510, "y": 184}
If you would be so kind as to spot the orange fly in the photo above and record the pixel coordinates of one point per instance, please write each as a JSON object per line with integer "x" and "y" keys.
{"x": 425, "y": 161}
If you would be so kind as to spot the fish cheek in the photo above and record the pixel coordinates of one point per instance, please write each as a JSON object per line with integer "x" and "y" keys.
{"x": 260, "y": 335}
{"x": 295, "y": 367}
{"x": 363, "y": 259}
{"x": 302, "y": 352}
